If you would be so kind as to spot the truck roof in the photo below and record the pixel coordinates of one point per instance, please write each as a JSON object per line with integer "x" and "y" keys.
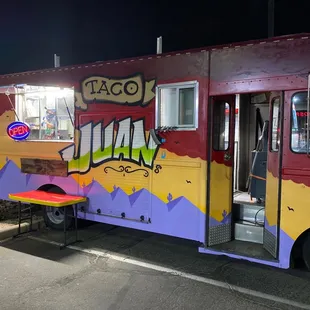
{"x": 168, "y": 54}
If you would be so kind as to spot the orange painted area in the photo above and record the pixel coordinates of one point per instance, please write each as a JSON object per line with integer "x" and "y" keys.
{"x": 271, "y": 205}
{"x": 2, "y": 161}
{"x": 295, "y": 196}
{"x": 10, "y": 148}
{"x": 44, "y": 198}
{"x": 178, "y": 176}
{"x": 182, "y": 178}
{"x": 220, "y": 190}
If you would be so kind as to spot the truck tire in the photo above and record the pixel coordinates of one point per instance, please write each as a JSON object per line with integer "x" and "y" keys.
{"x": 306, "y": 251}
{"x": 54, "y": 217}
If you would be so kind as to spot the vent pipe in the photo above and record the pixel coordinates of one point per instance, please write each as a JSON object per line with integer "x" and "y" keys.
{"x": 56, "y": 61}
{"x": 159, "y": 45}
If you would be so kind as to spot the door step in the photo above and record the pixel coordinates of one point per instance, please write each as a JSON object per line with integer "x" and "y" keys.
{"x": 251, "y": 213}
{"x": 249, "y": 222}
{"x": 247, "y": 231}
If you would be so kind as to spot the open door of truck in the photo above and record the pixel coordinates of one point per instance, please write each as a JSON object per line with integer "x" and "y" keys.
{"x": 220, "y": 171}
{"x": 273, "y": 177}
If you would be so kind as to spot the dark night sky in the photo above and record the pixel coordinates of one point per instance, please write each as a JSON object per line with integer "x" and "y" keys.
{"x": 80, "y": 32}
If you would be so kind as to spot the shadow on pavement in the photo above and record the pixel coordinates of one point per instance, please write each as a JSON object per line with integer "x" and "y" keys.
{"x": 174, "y": 253}
{"x": 38, "y": 249}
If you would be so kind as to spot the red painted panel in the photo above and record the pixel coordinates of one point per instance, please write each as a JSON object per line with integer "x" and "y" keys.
{"x": 296, "y": 172}
{"x": 277, "y": 64}
{"x": 5, "y": 104}
{"x": 269, "y": 59}
{"x": 182, "y": 143}
{"x": 51, "y": 199}
{"x": 277, "y": 83}
{"x": 163, "y": 68}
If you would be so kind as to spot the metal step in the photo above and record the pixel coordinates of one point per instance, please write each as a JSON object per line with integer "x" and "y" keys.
{"x": 249, "y": 213}
{"x": 245, "y": 231}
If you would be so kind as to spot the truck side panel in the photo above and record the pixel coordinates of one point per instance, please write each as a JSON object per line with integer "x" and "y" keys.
{"x": 267, "y": 66}
{"x": 273, "y": 66}
{"x": 130, "y": 181}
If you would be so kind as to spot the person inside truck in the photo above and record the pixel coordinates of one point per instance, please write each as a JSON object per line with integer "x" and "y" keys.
{"x": 49, "y": 124}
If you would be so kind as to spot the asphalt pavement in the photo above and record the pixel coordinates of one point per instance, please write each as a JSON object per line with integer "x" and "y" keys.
{"x": 117, "y": 268}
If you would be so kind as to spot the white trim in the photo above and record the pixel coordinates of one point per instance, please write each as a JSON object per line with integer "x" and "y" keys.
{"x": 179, "y": 85}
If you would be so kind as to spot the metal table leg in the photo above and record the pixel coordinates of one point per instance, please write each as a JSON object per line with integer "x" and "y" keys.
{"x": 19, "y": 216}
{"x": 65, "y": 244}
{"x": 23, "y": 218}
{"x": 75, "y": 220}
{"x": 65, "y": 229}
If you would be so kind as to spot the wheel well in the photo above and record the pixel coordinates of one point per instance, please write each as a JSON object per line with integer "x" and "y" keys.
{"x": 52, "y": 188}
{"x": 296, "y": 253}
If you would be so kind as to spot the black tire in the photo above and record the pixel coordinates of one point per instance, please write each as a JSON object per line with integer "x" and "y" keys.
{"x": 306, "y": 251}
{"x": 54, "y": 217}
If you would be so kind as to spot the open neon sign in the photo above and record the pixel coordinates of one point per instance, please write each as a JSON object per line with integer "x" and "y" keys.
{"x": 302, "y": 113}
{"x": 18, "y": 131}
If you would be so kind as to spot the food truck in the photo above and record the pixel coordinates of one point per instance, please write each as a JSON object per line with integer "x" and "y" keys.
{"x": 209, "y": 144}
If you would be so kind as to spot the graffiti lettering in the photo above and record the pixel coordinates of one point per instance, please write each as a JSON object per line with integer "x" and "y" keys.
{"x": 133, "y": 90}
{"x": 97, "y": 145}
{"x": 130, "y": 88}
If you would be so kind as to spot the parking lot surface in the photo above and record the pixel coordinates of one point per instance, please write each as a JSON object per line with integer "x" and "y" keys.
{"x": 117, "y": 268}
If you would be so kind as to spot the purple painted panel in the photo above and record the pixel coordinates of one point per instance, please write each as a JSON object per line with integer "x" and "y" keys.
{"x": 271, "y": 229}
{"x": 11, "y": 180}
{"x": 159, "y": 224}
{"x": 34, "y": 181}
{"x": 178, "y": 217}
{"x": 140, "y": 202}
{"x": 100, "y": 198}
{"x": 226, "y": 219}
{"x": 286, "y": 245}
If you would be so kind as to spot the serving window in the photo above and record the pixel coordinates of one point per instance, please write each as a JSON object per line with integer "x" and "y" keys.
{"x": 48, "y": 111}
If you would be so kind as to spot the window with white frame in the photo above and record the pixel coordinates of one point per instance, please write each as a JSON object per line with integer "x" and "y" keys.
{"x": 49, "y": 111}
{"x": 177, "y": 105}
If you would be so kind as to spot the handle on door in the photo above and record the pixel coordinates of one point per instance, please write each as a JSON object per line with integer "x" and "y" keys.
{"x": 227, "y": 157}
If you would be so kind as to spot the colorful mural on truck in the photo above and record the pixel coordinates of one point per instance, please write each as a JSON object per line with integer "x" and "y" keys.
{"x": 116, "y": 162}
{"x": 129, "y": 178}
